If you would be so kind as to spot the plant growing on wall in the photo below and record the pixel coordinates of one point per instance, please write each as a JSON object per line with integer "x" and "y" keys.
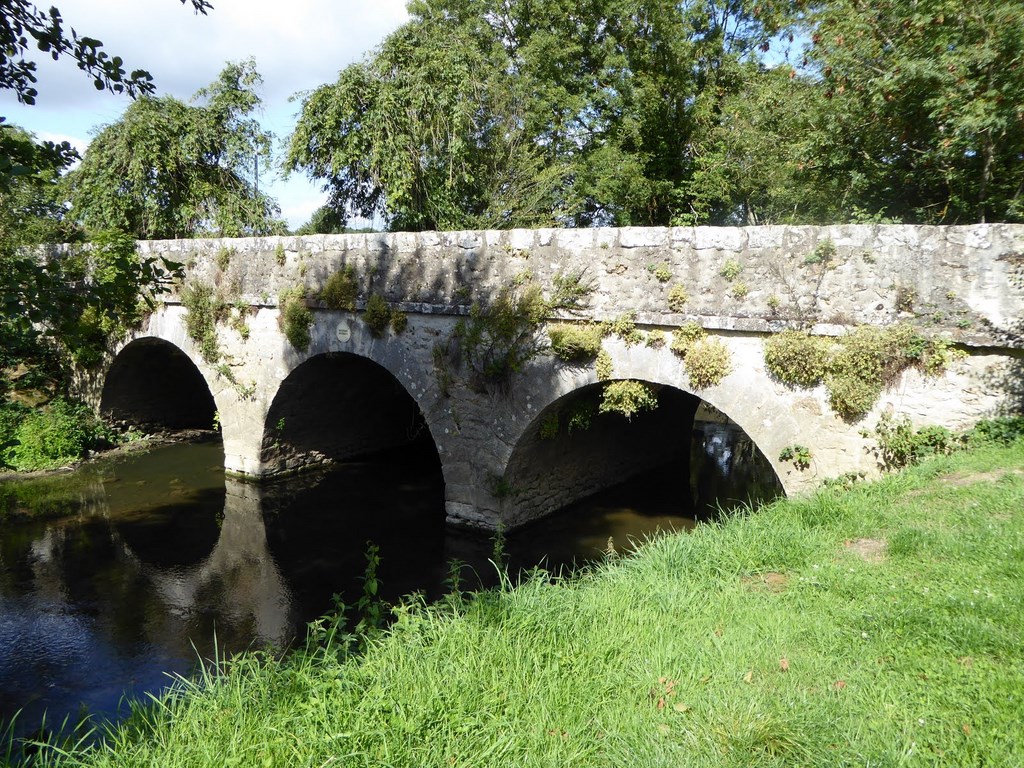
{"x": 797, "y": 358}
{"x": 627, "y": 397}
{"x": 624, "y": 326}
{"x": 677, "y": 298}
{"x": 341, "y": 289}
{"x": 576, "y": 343}
{"x": 731, "y": 269}
{"x": 857, "y": 367}
{"x": 377, "y": 315}
{"x": 603, "y": 366}
{"x": 685, "y": 336}
{"x": 295, "y": 318}
{"x": 707, "y": 362}
{"x": 800, "y": 455}
{"x": 500, "y": 337}
{"x": 203, "y": 310}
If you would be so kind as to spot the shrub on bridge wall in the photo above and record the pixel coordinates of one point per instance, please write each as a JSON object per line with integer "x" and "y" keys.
{"x": 295, "y": 318}
{"x": 627, "y": 397}
{"x": 377, "y": 315}
{"x": 707, "y": 363}
{"x": 203, "y": 310}
{"x": 624, "y": 326}
{"x": 341, "y": 289}
{"x": 857, "y": 367}
{"x": 677, "y": 298}
{"x": 797, "y": 358}
{"x": 498, "y": 339}
{"x": 501, "y": 336}
{"x": 576, "y": 343}
{"x": 685, "y": 336}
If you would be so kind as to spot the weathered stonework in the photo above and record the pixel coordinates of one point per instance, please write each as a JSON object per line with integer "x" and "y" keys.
{"x": 965, "y": 283}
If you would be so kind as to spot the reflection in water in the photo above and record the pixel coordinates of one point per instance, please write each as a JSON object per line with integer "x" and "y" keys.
{"x": 135, "y": 567}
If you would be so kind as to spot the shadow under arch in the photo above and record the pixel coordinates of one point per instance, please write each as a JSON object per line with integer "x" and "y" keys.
{"x": 571, "y": 451}
{"x": 340, "y": 406}
{"x": 152, "y": 382}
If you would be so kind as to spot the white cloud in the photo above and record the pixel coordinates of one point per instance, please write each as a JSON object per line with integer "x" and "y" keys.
{"x": 298, "y": 45}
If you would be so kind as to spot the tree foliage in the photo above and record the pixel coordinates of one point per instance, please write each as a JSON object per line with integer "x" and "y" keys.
{"x": 488, "y": 113}
{"x": 58, "y": 305}
{"x": 167, "y": 169}
{"x": 925, "y": 106}
{"x": 22, "y": 25}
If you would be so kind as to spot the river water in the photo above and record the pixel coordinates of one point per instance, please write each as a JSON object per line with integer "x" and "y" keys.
{"x": 129, "y": 570}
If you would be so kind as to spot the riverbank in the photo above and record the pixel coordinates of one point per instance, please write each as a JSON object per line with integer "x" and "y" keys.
{"x": 878, "y": 625}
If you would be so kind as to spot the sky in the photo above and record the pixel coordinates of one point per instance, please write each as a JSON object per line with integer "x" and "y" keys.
{"x": 298, "y": 45}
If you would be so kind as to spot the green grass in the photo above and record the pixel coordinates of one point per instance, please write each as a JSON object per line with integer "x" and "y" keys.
{"x": 765, "y": 640}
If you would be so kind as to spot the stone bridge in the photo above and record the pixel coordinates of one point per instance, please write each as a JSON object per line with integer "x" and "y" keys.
{"x": 506, "y": 454}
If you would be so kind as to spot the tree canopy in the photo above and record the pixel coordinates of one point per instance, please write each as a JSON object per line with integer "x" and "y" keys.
{"x": 498, "y": 113}
{"x": 167, "y": 169}
{"x": 22, "y": 25}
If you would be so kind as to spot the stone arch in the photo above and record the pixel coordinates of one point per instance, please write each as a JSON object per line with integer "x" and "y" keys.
{"x": 153, "y": 382}
{"x": 335, "y": 406}
{"x": 564, "y": 453}
{"x": 746, "y": 396}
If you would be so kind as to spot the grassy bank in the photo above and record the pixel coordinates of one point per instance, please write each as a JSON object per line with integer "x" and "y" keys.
{"x": 877, "y": 626}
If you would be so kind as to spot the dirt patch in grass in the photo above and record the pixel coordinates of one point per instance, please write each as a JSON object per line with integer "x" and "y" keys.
{"x": 869, "y": 550}
{"x": 767, "y": 582}
{"x": 960, "y": 479}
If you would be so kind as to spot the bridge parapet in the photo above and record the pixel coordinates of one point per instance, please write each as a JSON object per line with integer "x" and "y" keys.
{"x": 966, "y": 282}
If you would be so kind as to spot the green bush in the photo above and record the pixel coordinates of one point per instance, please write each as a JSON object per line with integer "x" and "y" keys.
{"x": 731, "y": 269}
{"x": 655, "y": 339}
{"x": 800, "y": 455}
{"x": 498, "y": 339}
{"x": 576, "y": 343}
{"x": 11, "y": 416}
{"x": 627, "y": 397}
{"x": 399, "y": 321}
{"x": 685, "y": 336}
{"x": 661, "y": 271}
{"x": 707, "y": 362}
{"x": 1003, "y": 430}
{"x": 203, "y": 310}
{"x": 823, "y": 253}
{"x": 50, "y": 438}
{"x": 377, "y": 315}
{"x": 571, "y": 292}
{"x": 296, "y": 318}
{"x": 677, "y": 298}
{"x": 624, "y": 326}
{"x": 797, "y": 358}
{"x": 603, "y": 366}
{"x": 900, "y": 445}
{"x": 858, "y": 366}
{"x": 548, "y": 429}
{"x": 581, "y": 413}
{"x": 341, "y": 289}
{"x": 852, "y": 397}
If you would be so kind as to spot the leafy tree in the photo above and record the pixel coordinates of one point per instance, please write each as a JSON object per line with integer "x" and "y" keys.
{"x": 925, "y": 120}
{"x": 22, "y": 24}
{"x": 527, "y": 112}
{"x": 167, "y": 169}
{"x": 49, "y": 305}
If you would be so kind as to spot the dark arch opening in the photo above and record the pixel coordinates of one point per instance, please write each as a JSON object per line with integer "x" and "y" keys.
{"x": 152, "y": 383}
{"x": 382, "y": 484}
{"x": 682, "y": 458}
{"x": 339, "y": 407}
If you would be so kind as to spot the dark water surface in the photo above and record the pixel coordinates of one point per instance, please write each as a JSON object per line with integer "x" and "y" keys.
{"x": 133, "y": 567}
